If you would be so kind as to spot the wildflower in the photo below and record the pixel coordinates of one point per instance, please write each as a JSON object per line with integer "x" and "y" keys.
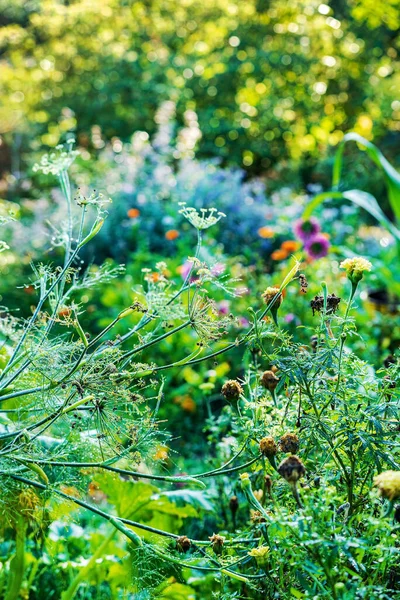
{"x": 217, "y": 542}
{"x": 183, "y": 543}
{"x": 289, "y": 443}
{"x": 171, "y": 234}
{"x": 291, "y": 469}
{"x": 279, "y": 254}
{"x": 133, "y": 213}
{"x": 261, "y": 555}
{"x": 268, "y": 447}
{"x": 355, "y": 268}
{"x": 317, "y": 246}
{"x": 290, "y": 245}
{"x": 231, "y": 389}
{"x": 269, "y": 380}
{"x": 388, "y": 483}
{"x": 203, "y": 219}
{"x": 266, "y": 233}
{"x": 306, "y": 228}
{"x": 257, "y": 517}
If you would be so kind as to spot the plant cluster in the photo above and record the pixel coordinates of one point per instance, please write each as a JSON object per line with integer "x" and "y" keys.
{"x": 294, "y": 493}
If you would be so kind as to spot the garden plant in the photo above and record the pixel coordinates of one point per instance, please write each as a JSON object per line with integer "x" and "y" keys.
{"x": 293, "y": 492}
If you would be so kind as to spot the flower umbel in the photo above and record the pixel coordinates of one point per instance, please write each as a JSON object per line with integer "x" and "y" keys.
{"x": 203, "y": 219}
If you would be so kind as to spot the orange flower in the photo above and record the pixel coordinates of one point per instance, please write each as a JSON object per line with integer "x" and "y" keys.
{"x": 161, "y": 453}
{"x": 133, "y": 213}
{"x": 279, "y": 254}
{"x": 290, "y": 245}
{"x": 266, "y": 232}
{"x": 171, "y": 234}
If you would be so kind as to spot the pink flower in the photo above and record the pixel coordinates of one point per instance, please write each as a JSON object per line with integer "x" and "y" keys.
{"x": 223, "y": 307}
{"x": 217, "y": 269}
{"x": 306, "y": 228}
{"x": 317, "y": 246}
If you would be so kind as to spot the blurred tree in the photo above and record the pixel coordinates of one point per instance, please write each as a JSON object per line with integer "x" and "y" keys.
{"x": 271, "y": 80}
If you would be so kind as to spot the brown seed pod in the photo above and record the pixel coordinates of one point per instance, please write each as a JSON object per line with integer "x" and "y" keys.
{"x": 269, "y": 380}
{"x": 289, "y": 443}
{"x": 217, "y": 542}
{"x": 234, "y": 505}
{"x": 268, "y": 447}
{"x": 183, "y": 543}
{"x": 291, "y": 469}
{"x": 231, "y": 389}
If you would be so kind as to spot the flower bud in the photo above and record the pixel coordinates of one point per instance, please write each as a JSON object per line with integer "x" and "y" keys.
{"x": 291, "y": 469}
{"x": 231, "y": 389}
{"x": 289, "y": 443}
{"x": 268, "y": 447}
{"x": 269, "y": 380}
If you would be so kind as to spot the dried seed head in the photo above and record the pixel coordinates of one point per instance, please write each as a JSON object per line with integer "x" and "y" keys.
{"x": 257, "y": 517}
{"x": 268, "y": 485}
{"x": 289, "y": 443}
{"x": 217, "y": 542}
{"x": 269, "y": 380}
{"x": 332, "y": 304}
{"x": 268, "y": 447}
{"x": 273, "y": 294}
{"x": 183, "y": 543}
{"x": 233, "y": 505}
{"x": 231, "y": 389}
{"x": 291, "y": 469}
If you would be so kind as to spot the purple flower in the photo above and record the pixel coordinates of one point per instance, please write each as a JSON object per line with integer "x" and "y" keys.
{"x": 217, "y": 269}
{"x": 223, "y": 307}
{"x": 317, "y": 246}
{"x": 306, "y": 228}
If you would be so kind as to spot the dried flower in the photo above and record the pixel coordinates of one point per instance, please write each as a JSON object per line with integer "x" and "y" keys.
{"x": 183, "y": 543}
{"x": 388, "y": 483}
{"x": 274, "y": 295}
{"x": 268, "y": 485}
{"x": 306, "y": 228}
{"x": 289, "y": 442}
{"x": 217, "y": 542}
{"x": 268, "y": 447}
{"x": 291, "y": 469}
{"x": 332, "y": 304}
{"x": 355, "y": 268}
{"x": 269, "y": 380}
{"x": 233, "y": 505}
{"x": 317, "y": 246}
{"x": 231, "y": 389}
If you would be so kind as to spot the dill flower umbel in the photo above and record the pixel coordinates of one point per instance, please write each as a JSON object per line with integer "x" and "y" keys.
{"x": 388, "y": 483}
{"x": 355, "y": 268}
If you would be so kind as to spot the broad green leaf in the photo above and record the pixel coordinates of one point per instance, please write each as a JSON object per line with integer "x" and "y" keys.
{"x": 392, "y": 177}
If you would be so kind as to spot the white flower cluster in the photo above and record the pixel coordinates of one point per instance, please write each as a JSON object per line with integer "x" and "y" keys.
{"x": 203, "y": 219}
{"x": 59, "y": 160}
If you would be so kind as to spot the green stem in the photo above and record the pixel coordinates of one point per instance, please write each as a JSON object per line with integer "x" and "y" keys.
{"x": 17, "y": 564}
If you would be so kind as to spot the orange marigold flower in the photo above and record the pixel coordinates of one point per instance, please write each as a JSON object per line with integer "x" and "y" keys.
{"x": 133, "y": 213}
{"x": 266, "y": 232}
{"x": 171, "y": 234}
{"x": 290, "y": 245}
{"x": 279, "y": 254}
